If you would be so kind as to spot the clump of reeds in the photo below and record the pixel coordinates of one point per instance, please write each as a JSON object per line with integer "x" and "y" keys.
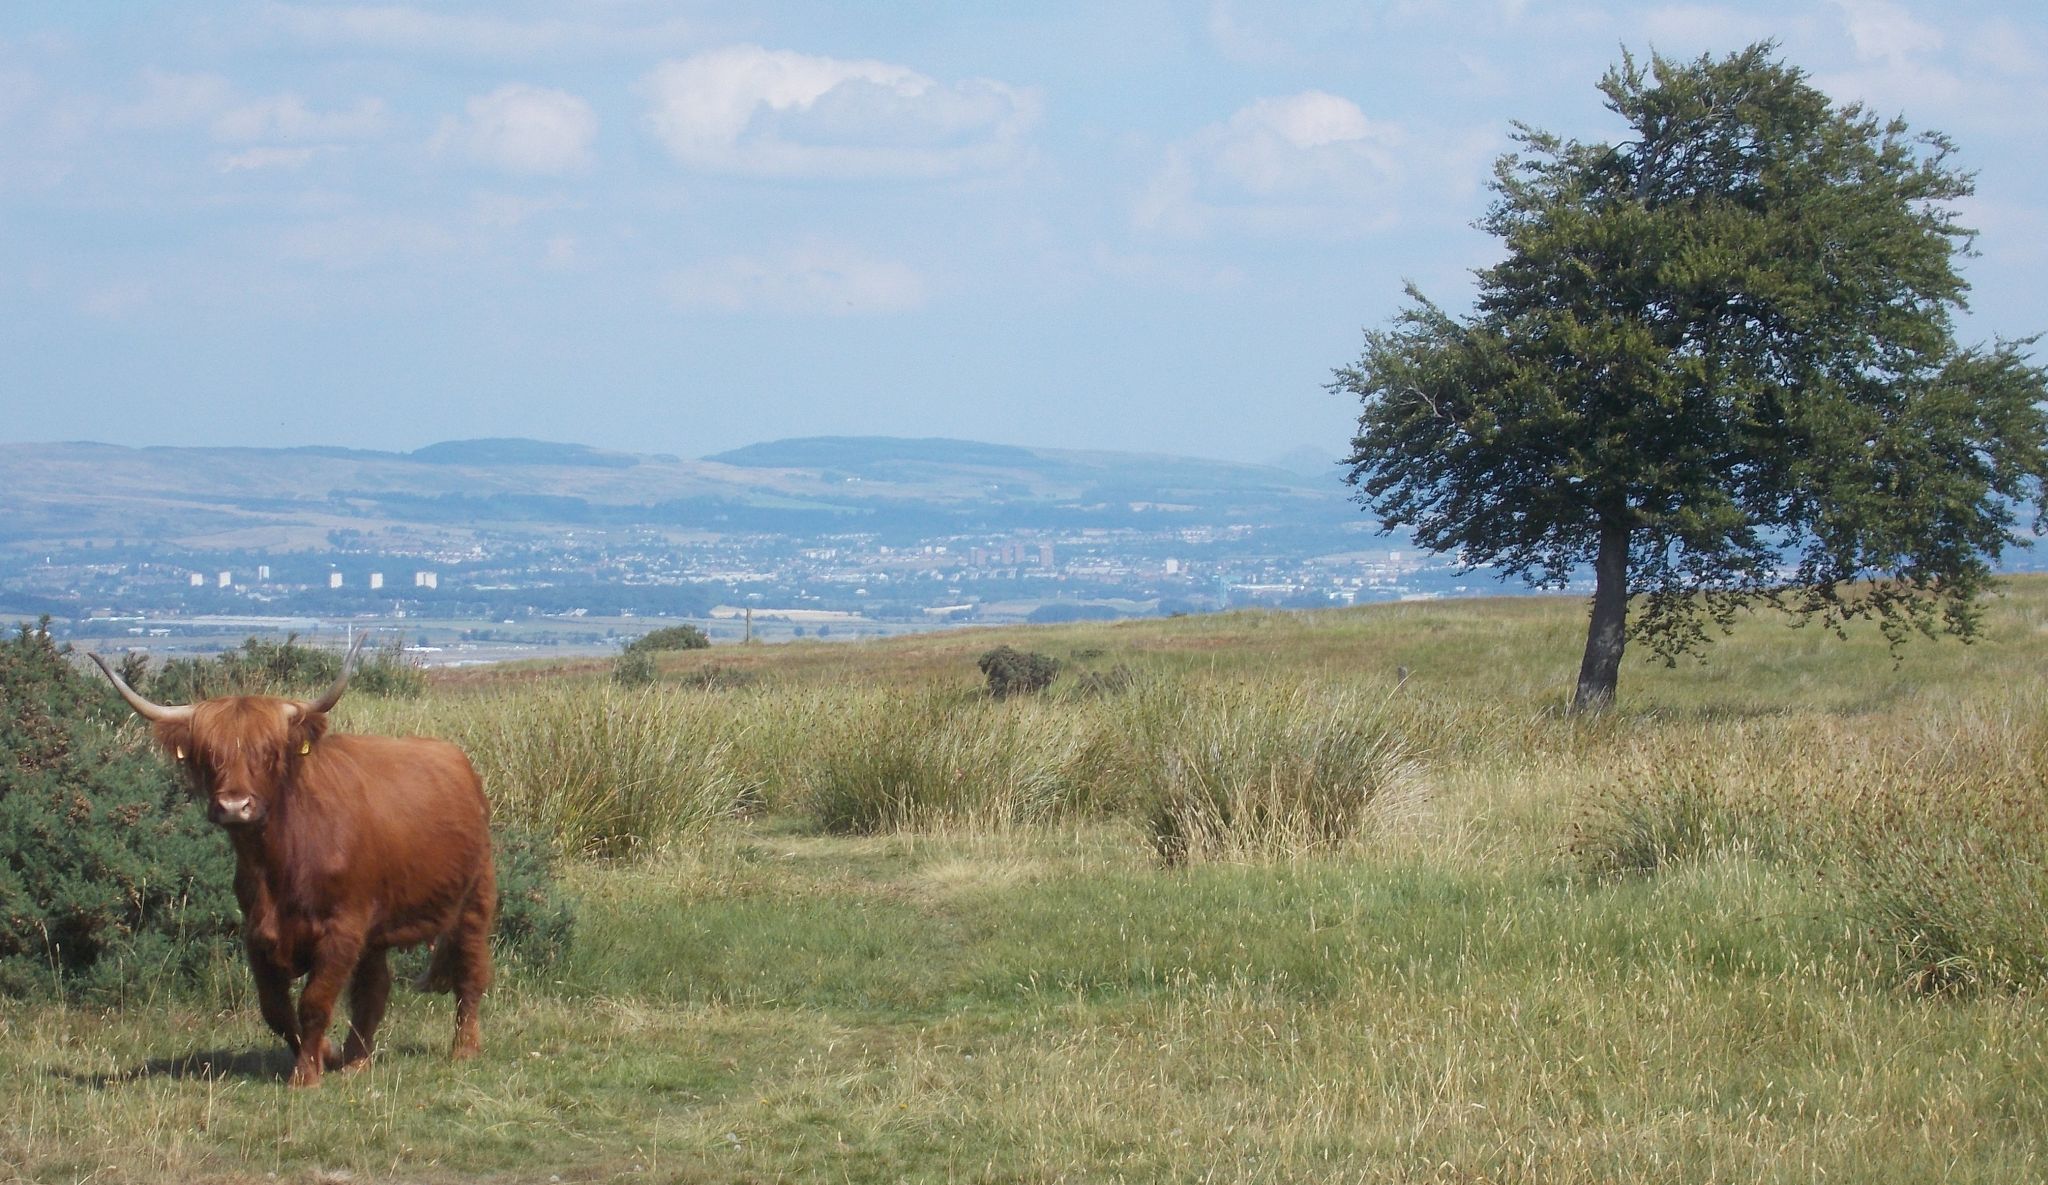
{"x": 1679, "y": 794}
{"x": 1927, "y": 827}
{"x": 1248, "y": 771}
{"x": 934, "y": 758}
{"x": 599, "y": 770}
{"x": 1940, "y": 845}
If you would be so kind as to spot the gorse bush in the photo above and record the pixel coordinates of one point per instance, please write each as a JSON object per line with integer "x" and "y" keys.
{"x": 264, "y": 667}
{"x": 674, "y": 637}
{"x": 1010, "y": 671}
{"x": 536, "y": 919}
{"x": 110, "y": 882}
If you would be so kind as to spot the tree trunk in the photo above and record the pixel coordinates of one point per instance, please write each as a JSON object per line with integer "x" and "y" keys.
{"x": 1608, "y": 630}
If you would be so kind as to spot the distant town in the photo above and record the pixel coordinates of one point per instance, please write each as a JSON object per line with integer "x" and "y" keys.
{"x": 577, "y": 592}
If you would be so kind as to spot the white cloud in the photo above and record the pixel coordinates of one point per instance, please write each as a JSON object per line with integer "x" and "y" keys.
{"x": 356, "y": 241}
{"x": 1311, "y": 163}
{"x": 762, "y": 112}
{"x": 1893, "y": 71}
{"x": 2007, "y": 48}
{"x": 1886, "y": 32}
{"x": 1287, "y": 35}
{"x": 524, "y": 129}
{"x": 251, "y": 160}
{"x": 1677, "y": 30}
{"x": 286, "y": 117}
{"x": 173, "y": 100}
{"x": 409, "y": 29}
{"x": 504, "y": 211}
{"x": 814, "y": 279}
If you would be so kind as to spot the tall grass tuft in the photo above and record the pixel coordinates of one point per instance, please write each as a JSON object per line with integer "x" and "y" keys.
{"x": 936, "y": 759}
{"x": 1941, "y": 846}
{"x": 599, "y": 770}
{"x": 1258, "y": 772}
{"x": 1682, "y": 794}
{"x": 1928, "y": 827}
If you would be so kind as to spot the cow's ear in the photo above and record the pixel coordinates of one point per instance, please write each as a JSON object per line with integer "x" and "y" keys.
{"x": 307, "y": 728}
{"x": 175, "y": 738}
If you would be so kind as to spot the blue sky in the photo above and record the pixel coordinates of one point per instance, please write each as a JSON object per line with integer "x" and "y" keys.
{"x": 685, "y": 227}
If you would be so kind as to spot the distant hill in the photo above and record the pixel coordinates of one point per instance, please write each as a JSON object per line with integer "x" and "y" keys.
{"x": 515, "y": 451}
{"x": 870, "y": 452}
{"x": 300, "y": 498}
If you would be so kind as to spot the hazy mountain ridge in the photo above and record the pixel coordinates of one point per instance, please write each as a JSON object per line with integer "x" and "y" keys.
{"x": 291, "y": 498}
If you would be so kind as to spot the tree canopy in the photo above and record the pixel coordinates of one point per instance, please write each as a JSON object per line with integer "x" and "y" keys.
{"x": 1718, "y": 364}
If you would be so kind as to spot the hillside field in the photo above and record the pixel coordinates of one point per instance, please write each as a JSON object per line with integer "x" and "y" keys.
{"x": 1258, "y": 897}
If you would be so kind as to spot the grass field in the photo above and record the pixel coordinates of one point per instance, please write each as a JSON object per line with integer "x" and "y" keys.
{"x": 1249, "y": 906}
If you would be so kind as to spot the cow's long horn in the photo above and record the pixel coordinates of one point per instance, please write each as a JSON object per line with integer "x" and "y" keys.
{"x": 333, "y": 695}
{"x": 147, "y": 709}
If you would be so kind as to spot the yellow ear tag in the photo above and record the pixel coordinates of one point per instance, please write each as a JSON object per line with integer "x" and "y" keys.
{"x": 181, "y": 752}
{"x": 305, "y": 747}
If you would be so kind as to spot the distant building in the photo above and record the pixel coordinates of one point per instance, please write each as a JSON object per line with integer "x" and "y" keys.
{"x": 227, "y": 579}
{"x": 198, "y": 581}
{"x": 376, "y": 580}
{"x": 334, "y": 580}
{"x": 263, "y": 571}
{"x": 1045, "y": 555}
{"x": 426, "y": 580}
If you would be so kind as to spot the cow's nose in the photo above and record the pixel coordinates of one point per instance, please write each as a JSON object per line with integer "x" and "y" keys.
{"x": 236, "y": 809}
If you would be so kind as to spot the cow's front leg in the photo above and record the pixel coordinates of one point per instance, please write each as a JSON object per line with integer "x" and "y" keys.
{"x": 368, "y": 991}
{"x": 334, "y": 963}
{"x": 274, "y": 993}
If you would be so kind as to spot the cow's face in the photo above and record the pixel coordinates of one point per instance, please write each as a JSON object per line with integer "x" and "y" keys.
{"x": 240, "y": 752}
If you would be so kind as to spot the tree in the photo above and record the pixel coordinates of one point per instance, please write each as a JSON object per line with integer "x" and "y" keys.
{"x": 1718, "y": 364}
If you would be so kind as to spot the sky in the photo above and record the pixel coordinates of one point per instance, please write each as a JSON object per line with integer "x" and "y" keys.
{"x": 686, "y": 227}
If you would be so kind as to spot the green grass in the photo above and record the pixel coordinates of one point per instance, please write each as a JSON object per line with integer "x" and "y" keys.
{"x": 1775, "y": 919}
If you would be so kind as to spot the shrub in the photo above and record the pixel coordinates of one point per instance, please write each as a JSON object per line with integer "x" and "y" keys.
{"x": 1015, "y": 672}
{"x": 264, "y": 667}
{"x": 109, "y": 883}
{"x": 536, "y": 920}
{"x": 634, "y": 668}
{"x": 675, "y": 637}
